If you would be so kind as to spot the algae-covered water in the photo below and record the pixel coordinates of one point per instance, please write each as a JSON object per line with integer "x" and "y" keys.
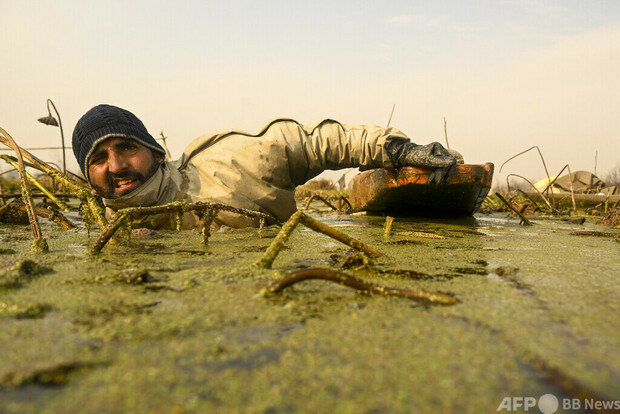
{"x": 161, "y": 326}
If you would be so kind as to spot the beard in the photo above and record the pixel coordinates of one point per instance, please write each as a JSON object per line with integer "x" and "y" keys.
{"x": 109, "y": 191}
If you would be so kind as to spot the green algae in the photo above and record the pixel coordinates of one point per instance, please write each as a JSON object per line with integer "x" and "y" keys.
{"x": 161, "y": 325}
{"x": 21, "y": 273}
{"x": 24, "y": 310}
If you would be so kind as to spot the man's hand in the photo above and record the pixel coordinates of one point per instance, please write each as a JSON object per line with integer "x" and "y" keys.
{"x": 408, "y": 154}
{"x": 441, "y": 175}
{"x": 433, "y": 155}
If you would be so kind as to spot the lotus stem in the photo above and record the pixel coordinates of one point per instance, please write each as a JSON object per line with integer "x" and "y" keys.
{"x": 543, "y": 162}
{"x": 39, "y": 244}
{"x": 300, "y": 217}
{"x": 48, "y": 194}
{"x": 318, "y": 197}
{"x": 388, "y": 226}
{"x": 572, "y": 189}
{"x": 530, "y": 183}
{"x": 274, "y": 248}
{"x": 524, "y": 219}
{"x": 81, "y": 189}
{"x": 359, "y": 284}
{"x": 125, "y": 216}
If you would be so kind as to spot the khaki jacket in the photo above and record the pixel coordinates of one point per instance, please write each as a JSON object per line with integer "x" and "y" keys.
{"x": 259, "y": 171}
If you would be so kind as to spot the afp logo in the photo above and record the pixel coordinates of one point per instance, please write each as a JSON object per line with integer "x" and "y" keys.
{"x": 547, "y": 404}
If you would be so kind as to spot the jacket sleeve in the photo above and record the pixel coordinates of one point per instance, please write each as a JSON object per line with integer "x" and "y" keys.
{"x": 281, "y": 155}
{"x": 331, "y": 145}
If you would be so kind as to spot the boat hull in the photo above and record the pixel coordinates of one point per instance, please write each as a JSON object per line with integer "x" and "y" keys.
{"x": 404, "y": 192}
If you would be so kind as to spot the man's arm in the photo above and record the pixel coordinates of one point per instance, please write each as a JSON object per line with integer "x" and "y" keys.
{"x": 284, "y": 154}
{"x": 332, "y": 145}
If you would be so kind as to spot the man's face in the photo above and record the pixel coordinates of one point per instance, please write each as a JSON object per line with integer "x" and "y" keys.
{"x": 118, "y": 166}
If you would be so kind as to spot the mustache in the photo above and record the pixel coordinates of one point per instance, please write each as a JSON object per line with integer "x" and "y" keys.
{"x": 130, "y": 174}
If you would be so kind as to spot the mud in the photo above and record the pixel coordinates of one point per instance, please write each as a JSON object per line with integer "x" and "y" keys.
{"x": 160, "y": 325}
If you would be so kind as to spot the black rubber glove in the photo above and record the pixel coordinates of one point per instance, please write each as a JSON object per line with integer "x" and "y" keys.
{"x": 441, "y": 175}
{"x": 433, "y": 155}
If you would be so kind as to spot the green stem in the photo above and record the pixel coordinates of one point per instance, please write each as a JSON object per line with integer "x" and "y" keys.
{"x": 524, "y": 219}
{"x": 40, "y": 186}
{"x": 81, "y": 189}
{"x": 335, "y": 234}
{"x": 359, "y": 284}
{"x": 174, "y": 207}
{"x": 274, "y": 248}
{"x": 39, "y": 244}
{"x": 300, "y": 217}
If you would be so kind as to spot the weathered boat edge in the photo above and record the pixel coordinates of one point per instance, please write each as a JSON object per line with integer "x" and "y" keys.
{"x": 405, "y": 192}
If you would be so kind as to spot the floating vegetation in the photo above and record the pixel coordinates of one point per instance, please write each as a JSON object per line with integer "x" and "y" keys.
{"x": 593, "y": 233}
{"x": 358, "y": 261}
{"x": 21, "y": 273}
{"x": 28, "y": 311}
{"x": 153, "y": 311}
{"x": 611, "y": 219}
{"x": 46, "y": 375}
{"x": 471, "y": 271}
{"x": 421, "y": 234}
{"x": 404, "y": 242}
{"x": 569, "y": 384}
{"x": 411, "y": 274}
{"x": 128, "y": 277}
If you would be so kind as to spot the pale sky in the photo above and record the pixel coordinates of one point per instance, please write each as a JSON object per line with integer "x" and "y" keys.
{"x": 506, "y": 75}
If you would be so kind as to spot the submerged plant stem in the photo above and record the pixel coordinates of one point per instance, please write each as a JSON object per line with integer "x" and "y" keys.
{"x": 572, "y": 189}
{"x": 544, "y": 165}
{"x": 207, "y": 219}
{"x": 300, "y": 217}
{"x": 318, "y": 197}
{"x": 524, "y": 219}
{"x": 359, "y": 284}
{"x": 388, "y": 226}
{"x": 128, "y": 214}
{"x": 39, "y": 244}
{"x": 59, "y": 203}
{"x": 81, "y": 189}
{"x": 335, "y": 234}
{"x": 533, "y": 186}
{"x": 56, "y": 217}
{"x": 275, "y": 247}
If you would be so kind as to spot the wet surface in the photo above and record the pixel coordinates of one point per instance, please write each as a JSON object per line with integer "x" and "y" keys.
{"x": 160, "y": 325}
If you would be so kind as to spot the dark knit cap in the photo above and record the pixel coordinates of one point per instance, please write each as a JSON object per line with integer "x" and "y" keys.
{"x": 107, "y": 121}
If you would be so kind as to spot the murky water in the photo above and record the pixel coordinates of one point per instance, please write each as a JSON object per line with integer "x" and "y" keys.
{"x": 162, "y": 326}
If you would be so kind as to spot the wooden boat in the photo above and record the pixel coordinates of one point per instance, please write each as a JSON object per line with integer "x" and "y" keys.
{"x": 404, "y": 192}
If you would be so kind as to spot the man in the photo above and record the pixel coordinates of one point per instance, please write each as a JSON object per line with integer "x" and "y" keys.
{"x": 125, "y": 165}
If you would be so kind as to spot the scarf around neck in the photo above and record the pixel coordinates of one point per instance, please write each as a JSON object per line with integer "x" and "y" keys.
{"x": 152, "y": 193}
